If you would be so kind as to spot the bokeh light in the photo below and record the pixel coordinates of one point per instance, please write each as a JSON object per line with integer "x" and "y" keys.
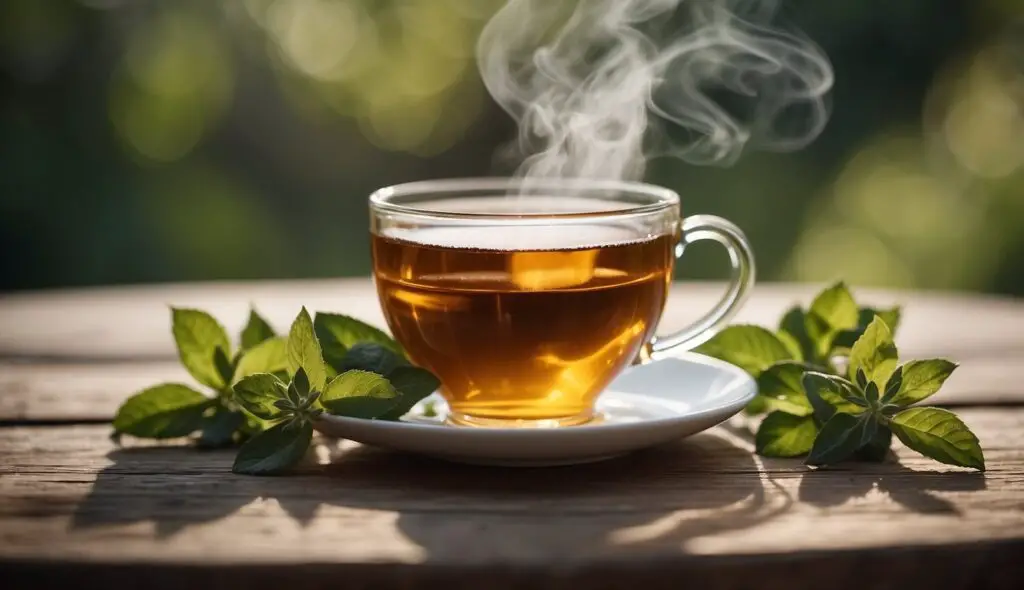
{"x": 173, "y": 84}
{"x": 914, "y": 209}
{"x": 239, "y": 138}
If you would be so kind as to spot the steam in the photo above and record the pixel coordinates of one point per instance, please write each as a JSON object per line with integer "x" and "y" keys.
{"x": 599, "y": 86}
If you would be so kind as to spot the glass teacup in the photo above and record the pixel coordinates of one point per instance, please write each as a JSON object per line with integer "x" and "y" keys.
{"x": 527, "y": 301}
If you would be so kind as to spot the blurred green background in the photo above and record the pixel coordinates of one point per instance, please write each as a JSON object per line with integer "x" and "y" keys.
{"x": 170, "y": 140}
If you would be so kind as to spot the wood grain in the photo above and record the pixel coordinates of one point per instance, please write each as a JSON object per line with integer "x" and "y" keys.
{"x": 77, "y": 391}
{"x": 67, "y": 494}
{"x": 704, "y": 511}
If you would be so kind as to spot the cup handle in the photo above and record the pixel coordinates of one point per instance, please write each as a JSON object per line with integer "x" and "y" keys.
{"x": 741, "y": 257}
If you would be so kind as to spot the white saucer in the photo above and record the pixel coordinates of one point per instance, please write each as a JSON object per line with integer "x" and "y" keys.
{"x": 647, "y": 405}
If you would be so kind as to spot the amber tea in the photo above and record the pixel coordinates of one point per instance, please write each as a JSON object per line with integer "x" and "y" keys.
{"x": 522, "y": 325}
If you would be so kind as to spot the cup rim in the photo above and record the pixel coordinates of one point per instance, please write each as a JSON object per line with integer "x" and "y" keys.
{"x": 661, "y": 197}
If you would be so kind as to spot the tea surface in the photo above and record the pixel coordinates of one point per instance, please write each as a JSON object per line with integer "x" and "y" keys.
{"x": 522, "y": 333}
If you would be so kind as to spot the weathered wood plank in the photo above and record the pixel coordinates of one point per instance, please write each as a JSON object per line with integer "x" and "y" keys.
{"x": 133, "y": 322}
{"x": 48, "y": 392}
{"x": 73, "y": 506}
{"x": 66, "y": 493}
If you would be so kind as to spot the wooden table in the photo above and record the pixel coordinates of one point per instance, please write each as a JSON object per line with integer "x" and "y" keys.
{"x": 704, "y": 512}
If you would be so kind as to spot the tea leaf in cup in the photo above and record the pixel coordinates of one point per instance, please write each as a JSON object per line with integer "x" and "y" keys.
{"x": 198, "y": 337}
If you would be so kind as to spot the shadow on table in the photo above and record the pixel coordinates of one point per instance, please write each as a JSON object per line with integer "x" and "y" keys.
{"x": 909, "y": 488}
{"x": 670, "y": 494}
{"x": 701, "y": 486}
{"x": 171, "y": 486}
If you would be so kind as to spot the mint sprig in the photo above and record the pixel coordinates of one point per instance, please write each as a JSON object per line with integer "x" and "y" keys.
{"x": 172, "y": 410}
{"x": 368, "y": 380}
{"x": 268, "y": 393}
{"x": 838, "y": 392}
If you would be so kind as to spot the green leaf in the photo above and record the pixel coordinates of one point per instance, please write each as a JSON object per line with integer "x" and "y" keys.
{"x": 839, "y": 438}
{"x": 791, "y": 344}
{"x": 252, "y": 425}
{"x": 269, "y": 356}
{"x": 369, "y": 356}
{"x": 829, "y": 394}
{"x": 304, "y": 351}
{"x": 751, "y": 348}
{"x": 794, "y": 323}
{"x": 871, "y": 393}
{"x": 822, "y": 335}
{"x": 861, "y": 379}
{"x": 892, "y": 386}
{"x": 782, "y": 389}
{"x": 876, "y": 449}
{"x": 920, "y": 379}
{"x": 874, "y": 353}
{"x": 225, "y": 368}
{"x": 414, "y": 384}
{"x": 198, "y": 336}
{"x": 219, "y": 429}
{"x": 785, "y": 435}
{"x": 170, "y": 410}
{"x": 870, "y": 428}
{"x": 257, "y": 393}
{"x": 299, "y": 387}
{"x": 359, "y": 394}
{"x": 758, "y": 405}
{"x": 940, "y": 435}
{"x": 256, "y": 330}
{"x": 429, "y": 409}
{"x": 338, "y": 333}
{"x": 835, "y": 305}
{"x": 831, "y": 312}
{"x": 891, "y": 317}
{"x": 275, "y": 450}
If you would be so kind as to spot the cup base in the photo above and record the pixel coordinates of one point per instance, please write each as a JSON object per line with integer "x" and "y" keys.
{"x": 459, "y": 419}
